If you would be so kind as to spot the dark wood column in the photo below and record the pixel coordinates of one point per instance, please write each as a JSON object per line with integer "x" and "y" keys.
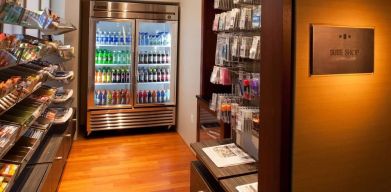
{"x": 276, "y": 96}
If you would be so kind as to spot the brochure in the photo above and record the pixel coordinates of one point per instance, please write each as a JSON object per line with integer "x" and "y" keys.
{"x": 252, "y": 187}
{"x": 227, "y": 155}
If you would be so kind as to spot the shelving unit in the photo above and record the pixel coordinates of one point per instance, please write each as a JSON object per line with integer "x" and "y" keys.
{"x": 30, "y": 105}
{"x": 230, "y": 81}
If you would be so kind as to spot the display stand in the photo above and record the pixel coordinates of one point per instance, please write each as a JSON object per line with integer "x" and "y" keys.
{"x": 38, "y": 149}
{"x": 233, "y": 50}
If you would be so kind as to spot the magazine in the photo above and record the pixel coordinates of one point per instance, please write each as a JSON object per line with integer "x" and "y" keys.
{"x": 227, "y": 155}
{"x": 252, "y": 187}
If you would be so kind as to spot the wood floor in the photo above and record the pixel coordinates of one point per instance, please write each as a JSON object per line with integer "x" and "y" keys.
{"x": 158, "y": 162}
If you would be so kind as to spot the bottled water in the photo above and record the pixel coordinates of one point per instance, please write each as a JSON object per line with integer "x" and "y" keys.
{"x": 168, "y": 38}
{"x": 104, "y": 38}
{"x": 116, "y": 38}
{"x": 141, "y": 38}
{"x": 120, "y": 38}
{"x": 128, "y": 38}
{"x": 98, "y": 37}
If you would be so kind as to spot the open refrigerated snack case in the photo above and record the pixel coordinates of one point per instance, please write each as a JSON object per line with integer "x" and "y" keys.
{"x": 28, "y": 65}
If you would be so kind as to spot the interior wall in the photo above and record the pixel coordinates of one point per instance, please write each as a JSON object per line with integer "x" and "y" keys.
{"x": 342, "y": 127}
{"x": 69, "y": 10}
{"x": 189, "y": 68}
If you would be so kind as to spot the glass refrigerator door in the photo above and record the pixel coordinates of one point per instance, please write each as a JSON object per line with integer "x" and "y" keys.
{"x": 156, "y": 61}
{"x": 112, "y": 64}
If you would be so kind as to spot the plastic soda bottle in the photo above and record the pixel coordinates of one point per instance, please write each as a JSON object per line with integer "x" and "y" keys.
{"x": 158, "y": 96}
{"x": 162, "y": 95}
{"x": 100, "y": 98}
{"x": 149, "y": 96}
{"x": 104, "y": 98}
{"x": 109, "y": 76}
{"x": 154, "y": 99}
{"x": 127, "y": 76}
{"x": 140, "y": 97}
{"x": 115, "y": 59}
{"x": 109, "y": 98}
{"x": 104, "y": 76}
{"x": 115, "y": 97}
{"x": 99, "y": 76}
{"x": 145, "y": 96}
{"x": 110, "y": 57}
{"x": 167, "y": 95}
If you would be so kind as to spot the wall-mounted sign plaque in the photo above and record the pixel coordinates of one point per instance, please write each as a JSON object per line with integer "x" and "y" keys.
{"x": 341, "y": 50}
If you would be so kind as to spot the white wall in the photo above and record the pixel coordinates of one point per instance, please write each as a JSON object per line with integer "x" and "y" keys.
{"x": 189, "y": 68}
{"x": 69, "y": 10}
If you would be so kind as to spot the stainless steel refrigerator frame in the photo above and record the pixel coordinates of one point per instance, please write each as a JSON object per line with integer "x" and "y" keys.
{"x": 134, "y": 115}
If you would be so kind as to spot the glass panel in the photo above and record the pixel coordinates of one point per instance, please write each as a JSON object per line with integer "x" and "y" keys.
{"x": 32, "y": 32}
{"x": 113, "y": 60}
{"x": 12, "y": 29}
{"x": 154, "y": 64}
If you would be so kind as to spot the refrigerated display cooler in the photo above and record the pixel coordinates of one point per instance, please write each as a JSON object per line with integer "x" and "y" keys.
{"x": 132, "y": 65}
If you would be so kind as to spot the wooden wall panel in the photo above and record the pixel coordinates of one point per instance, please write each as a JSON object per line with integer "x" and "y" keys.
{"x": 342, "y": 123}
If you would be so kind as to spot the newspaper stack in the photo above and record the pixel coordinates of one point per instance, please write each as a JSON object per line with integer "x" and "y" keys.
{"x": 227, "y": 155}
{"x": 252, "y": 187}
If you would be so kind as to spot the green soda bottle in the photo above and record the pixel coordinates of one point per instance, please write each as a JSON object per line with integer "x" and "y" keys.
{"x": 110, "y": 57}
{"x": 103, "y": 59}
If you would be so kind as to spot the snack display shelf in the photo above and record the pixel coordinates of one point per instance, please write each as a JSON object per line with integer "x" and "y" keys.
{"x": 26, "y": 153}
{"x": 69, "y": 76}
{"x": 58, "y": 55}
{"x": 33, "y": 116}
{"x": 9, "y": 59}
{"x": 9, "y": 178}
{"x": 64, "y": 117}
{"x": 8, "y": 66}
{"x": 12, "y": 13}
{"x": 30, "y": 145}
{"x": 16, "y": 98}
{"x": 64, "y": 98}
{"x": 21, "y": 128}
{"x": 10, "y": 144}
